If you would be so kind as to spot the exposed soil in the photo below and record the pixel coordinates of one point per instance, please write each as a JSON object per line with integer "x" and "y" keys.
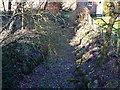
{"x": 73, "y": 59}
{"x": 59, "y": 67}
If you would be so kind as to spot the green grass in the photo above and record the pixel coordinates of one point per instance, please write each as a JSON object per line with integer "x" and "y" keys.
{"x": 105, "y": 21}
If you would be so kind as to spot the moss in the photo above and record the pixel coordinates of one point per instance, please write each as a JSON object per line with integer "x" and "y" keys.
{"x": 85, "y": 81}
{"x": 79, "y": 72}
{"x": 79, "y": 85}
{"x": 112, "y": 84}
{"x": 19, "y": 58}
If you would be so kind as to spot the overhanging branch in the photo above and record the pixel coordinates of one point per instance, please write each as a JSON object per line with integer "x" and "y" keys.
{"x": 115, "y": 11}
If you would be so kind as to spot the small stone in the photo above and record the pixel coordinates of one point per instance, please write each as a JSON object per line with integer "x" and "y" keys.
{"x": 89, "y": 66}
{"x": 96, "y": 81}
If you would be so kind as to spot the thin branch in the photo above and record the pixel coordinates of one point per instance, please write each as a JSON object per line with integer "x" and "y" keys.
{"x": 115, "y": 11}
{"x": 3, "y": 6}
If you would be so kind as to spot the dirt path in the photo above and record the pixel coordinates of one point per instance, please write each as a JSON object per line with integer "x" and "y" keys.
{"x": 58, "y": 69}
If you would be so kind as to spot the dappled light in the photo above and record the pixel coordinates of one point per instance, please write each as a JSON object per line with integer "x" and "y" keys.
{"x": 60, "y": 44}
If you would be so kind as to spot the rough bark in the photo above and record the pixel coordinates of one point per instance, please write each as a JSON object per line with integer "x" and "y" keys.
{"x": 118, "y": 46}
{"x": 9, "y": 7}
{"x": 107, "y": 37}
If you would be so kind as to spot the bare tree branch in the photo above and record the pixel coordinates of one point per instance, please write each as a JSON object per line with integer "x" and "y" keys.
{"x": 115, "y": 11}
{"x": 3, "y": 6}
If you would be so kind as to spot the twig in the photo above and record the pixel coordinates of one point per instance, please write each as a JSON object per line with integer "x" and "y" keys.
{"x": 115, "y": 11}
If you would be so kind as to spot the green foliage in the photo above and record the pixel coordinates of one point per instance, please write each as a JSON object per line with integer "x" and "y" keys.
{"x": 107, "y": 7}
{"x": 99, "y": 61}
{"x": 27, "y": 52}
{"x": 85, "y": 81}
{"x": 112, "y": 84}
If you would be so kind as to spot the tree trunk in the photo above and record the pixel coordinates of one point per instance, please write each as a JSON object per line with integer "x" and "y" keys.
{"x": 3, "y": 6}
{"x": 118, "y": 34}
{"x": 118, "y": 46}
{"x": 9, "y": 7}
{"x": 107, "y": 37}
